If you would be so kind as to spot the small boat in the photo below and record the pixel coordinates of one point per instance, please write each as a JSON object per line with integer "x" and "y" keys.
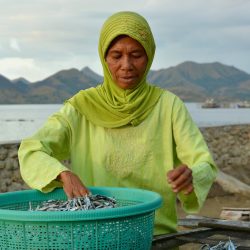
{"x": 210, "y": 103}
{"x": 244, "y": 104}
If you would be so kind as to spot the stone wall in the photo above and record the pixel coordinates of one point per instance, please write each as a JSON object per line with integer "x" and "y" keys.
{"x": 230, "y": 146}
{"x": 10, "y": 178}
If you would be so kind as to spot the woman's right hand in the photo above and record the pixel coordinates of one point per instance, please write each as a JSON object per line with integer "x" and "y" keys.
{"x": 72, "y": 185}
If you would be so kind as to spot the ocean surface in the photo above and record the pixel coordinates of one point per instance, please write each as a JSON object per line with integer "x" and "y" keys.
{"x": 20, "y": 121}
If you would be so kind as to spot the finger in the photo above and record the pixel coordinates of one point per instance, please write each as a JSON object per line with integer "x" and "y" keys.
{"x": 80, "y": 192}
{"x": 84, "y": 191}
{"x": 70, "y": 189}
{"x": 173, "y": 174}
{"x": 72, "y": 185}
{"x": 184, "y": 185}
{"x": 182, "y": 178}
{"x": 189, "y": 189}
{"x": 68, "y": 192}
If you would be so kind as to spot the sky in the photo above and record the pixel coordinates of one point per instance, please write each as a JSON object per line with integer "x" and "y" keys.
{"x": 40, "y": 37}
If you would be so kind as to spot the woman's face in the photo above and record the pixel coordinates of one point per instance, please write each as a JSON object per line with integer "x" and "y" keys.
{"x": 127, "y": 62}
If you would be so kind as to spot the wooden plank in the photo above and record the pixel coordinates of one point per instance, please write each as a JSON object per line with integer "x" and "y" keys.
{"x": 190, "y": 223}
{"x": 174, "y": 235}
{"x": 237, "y": 208}
{"x": 226, "y": 224}
{"x": 216, "y": 223}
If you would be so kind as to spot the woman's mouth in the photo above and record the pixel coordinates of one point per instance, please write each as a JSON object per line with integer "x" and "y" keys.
{"x": 128, "y": 78}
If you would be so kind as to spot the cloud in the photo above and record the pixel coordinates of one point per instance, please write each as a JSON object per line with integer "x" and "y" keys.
{"x": 14, "y": 45}
{"x": 57, "y": 33}
{"x": 15, "y": 67}
{"x": 35, "y": 70}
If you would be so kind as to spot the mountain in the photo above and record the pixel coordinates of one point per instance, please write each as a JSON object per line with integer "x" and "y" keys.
{"x": 8, "y": 92}
{"x": 196, "y": 82}
{"x": 191, "y": 81}
{"x": 21, "y": 84}
{"x": 62, "y": 85}
{"x": 5, "y": 83}
{"x": 91, "y": 74}
{"x": 54, "y": 89}
{"x": 20, "y": 80}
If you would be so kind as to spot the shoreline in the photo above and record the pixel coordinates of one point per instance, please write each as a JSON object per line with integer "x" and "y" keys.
{"x": 229, "y": 145}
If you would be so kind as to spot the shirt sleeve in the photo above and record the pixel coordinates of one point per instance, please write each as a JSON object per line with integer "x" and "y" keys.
{"x": 192, "y": 150}
{"x": 40, "y": 155}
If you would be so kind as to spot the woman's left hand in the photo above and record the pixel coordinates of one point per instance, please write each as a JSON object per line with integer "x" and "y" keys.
{"x": 181, "y": 179}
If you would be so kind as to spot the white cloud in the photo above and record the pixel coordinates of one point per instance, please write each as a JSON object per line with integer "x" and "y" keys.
{"x": 64, "y": 34}
{"x": 15, "y": 67}
{"x": 35, "y": 70}
{"x": 14, "y": 45}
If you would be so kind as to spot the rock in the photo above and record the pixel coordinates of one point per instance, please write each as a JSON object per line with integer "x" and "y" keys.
{"x": 10, "y": 164}
{"x": 3, "y": 153}
{"x": 13, "y": 153}
{"x": 15, "y": 164}
{"x": 3, "y": 188}
{"x": 2, "y": 164}
{"x": 5, "y": 174}
{"x": 15, "y": 186}
{"x": 25, "y": 187}
{"x": 236, "y": 152}
{"x": 16, "y": 177}
{"x": 217, "y": 190}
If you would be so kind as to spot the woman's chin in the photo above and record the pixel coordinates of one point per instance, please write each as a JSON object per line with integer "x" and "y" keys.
{"x": 127, "y": 84}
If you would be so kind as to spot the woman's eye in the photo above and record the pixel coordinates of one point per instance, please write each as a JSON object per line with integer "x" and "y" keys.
{"x": 116, "y": 57}
{"x": 136, "y": 55}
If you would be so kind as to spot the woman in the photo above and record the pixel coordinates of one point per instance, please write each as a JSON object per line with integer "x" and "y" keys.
{"x": 125, "y": 132}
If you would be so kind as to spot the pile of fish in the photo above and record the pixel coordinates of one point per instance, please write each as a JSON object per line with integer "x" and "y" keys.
{"x": 229, "y": 245}
{"x": 82, "y": 203}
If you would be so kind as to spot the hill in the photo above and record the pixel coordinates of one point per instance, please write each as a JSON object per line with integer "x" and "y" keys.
{"x": 189, "y": 80}
{"x": 196, "y": 82}
{"x": 62, "y": 85}
{"x": 9, "y": 93}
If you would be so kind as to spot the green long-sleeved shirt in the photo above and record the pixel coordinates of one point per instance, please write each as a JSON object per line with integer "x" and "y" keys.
{"x": 126, "y": 157}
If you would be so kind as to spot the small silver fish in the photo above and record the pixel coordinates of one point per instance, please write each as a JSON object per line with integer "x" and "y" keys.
{"x": 81, "y": 203}
{"x": 229, "y": 245}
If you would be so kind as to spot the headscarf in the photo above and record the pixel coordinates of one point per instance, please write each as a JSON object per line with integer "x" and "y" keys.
{"x": 108, "y": 105}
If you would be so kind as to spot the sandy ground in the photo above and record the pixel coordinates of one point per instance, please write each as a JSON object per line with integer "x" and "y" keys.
{"x": 213, "y": 206}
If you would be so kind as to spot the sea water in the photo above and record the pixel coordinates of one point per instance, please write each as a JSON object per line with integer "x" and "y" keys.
{"x": 20, "y": 121}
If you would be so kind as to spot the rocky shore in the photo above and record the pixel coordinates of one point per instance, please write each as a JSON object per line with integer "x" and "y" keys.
{"x": 230, "y": 146}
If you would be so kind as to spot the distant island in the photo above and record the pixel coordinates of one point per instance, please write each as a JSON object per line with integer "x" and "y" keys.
{"x": 192, "y": 82}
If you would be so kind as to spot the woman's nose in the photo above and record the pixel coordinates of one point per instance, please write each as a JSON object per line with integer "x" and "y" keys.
{"x": 126, "y": 63}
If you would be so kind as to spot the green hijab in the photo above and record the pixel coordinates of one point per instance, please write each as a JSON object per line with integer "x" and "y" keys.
{"x": 107, "y": 105}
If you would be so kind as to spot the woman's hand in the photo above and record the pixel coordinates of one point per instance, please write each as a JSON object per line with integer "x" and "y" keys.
{"x": 72, "y": 185}
{"x": 181, "y": 179}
